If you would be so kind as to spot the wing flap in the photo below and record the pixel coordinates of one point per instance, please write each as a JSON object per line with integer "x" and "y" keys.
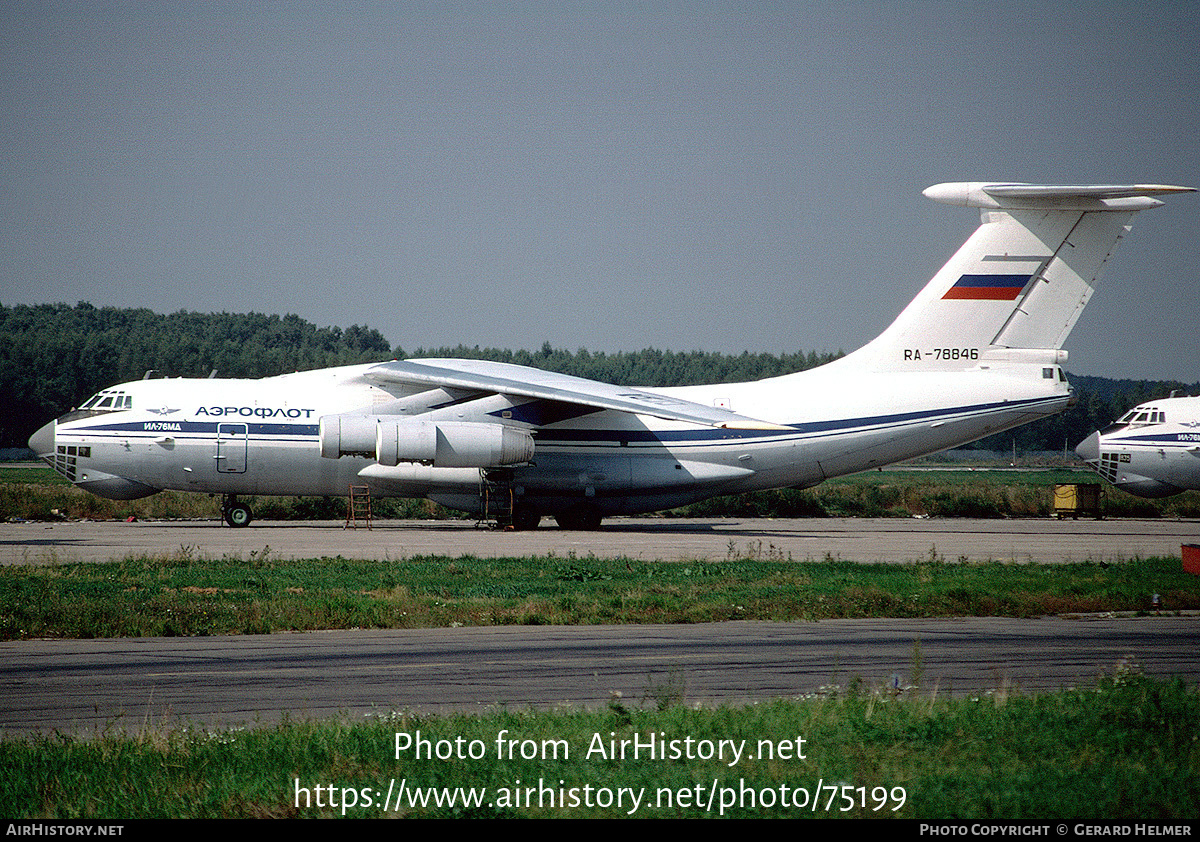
{"x": 522, "y": 381}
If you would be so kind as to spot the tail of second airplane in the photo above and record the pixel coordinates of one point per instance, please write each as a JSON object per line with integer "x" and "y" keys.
{"x": 1016, "y": 287}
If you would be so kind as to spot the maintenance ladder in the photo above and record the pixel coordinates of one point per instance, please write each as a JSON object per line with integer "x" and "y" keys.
{"x": 496, "y": 498}
{"x": 358, "y": 506}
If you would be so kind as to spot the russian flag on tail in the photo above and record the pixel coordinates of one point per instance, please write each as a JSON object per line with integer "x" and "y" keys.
{"x": 988, "y": 287}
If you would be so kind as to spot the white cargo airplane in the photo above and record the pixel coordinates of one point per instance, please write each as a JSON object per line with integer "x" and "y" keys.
{"x": 976, "y": 352}
{"x": 1153, "y": 450}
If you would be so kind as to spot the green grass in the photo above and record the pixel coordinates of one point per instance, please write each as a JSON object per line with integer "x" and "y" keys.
{"x": 975, "y": 494}
{"x": 1126, "y": 749}
{"x": 184, "y": 594}
{"x": 39, "y": 474}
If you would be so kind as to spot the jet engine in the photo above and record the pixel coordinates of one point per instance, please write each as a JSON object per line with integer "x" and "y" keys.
{"x": 443, "y": 444}
{"x": 348, "y": 435}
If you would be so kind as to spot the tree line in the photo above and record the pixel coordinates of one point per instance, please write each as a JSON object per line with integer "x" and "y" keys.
{"x": 53, "y": 356}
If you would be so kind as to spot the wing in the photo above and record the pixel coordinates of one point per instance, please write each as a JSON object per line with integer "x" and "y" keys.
{"x": 521, "y": 381}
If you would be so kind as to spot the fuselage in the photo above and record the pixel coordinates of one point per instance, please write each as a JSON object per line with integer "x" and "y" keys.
{"x": 262, "y": 437}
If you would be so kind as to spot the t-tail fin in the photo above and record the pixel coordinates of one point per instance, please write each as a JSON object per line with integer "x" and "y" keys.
{"x": 1019, "y": 282}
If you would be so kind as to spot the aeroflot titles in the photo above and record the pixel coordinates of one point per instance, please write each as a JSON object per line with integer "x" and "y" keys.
{"x": 255, "y": 411}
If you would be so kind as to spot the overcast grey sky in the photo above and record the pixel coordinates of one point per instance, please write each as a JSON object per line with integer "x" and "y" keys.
{"x": 615, "y": 176}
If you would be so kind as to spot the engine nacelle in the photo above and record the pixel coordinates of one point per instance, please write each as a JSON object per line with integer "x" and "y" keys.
{"x": 451, "y": 444}
{"x": 348, "y": 435}
{"x": 445, "y": 444}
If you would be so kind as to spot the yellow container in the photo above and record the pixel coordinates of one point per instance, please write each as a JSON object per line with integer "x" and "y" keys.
{"x": 1077, "y": 498}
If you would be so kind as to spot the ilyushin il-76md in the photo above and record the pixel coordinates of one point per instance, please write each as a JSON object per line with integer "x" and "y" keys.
{"x": 979, "y": 350}
{"x": 1153, "y": 450}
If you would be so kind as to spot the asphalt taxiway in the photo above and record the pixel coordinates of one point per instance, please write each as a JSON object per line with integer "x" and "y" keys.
{"x": 666, "y": 539}
{"x": 90, "y": 685}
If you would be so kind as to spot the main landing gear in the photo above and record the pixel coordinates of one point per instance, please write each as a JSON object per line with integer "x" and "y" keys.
{"x": 582, "y": 517}
{"x": 525, "y": 518}
{"x": 236, "y": 514}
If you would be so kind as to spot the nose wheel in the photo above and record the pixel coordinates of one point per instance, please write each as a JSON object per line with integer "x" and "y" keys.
{"x": 234, "y": 512}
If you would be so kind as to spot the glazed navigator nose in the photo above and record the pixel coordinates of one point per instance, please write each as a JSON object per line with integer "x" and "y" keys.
{"x": 42, "y": 442}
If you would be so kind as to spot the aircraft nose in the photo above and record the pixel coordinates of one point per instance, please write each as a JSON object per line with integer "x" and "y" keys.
{"x": 42, "y": 442}
{"x": 1089, "y": 449}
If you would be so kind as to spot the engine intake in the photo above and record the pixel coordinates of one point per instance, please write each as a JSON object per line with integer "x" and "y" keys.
{"x": 348, "y": 435}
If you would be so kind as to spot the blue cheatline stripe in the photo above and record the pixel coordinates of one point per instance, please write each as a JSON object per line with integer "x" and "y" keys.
{"x": 864, "y": 424}
{"x": 550, "y": 435}
{"x": 1157, "y": 438}
{"x": 169, "y": 427}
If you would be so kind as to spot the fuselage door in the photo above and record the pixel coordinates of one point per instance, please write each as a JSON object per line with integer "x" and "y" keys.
{"x": 231, "y": 448}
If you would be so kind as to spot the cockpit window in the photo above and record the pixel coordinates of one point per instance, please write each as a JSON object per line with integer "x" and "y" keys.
{"x": 1139, "y": 417}
{"x": 108, "y": 401}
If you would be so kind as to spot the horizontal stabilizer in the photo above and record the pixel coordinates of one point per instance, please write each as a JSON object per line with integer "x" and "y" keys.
{"x": 1099, "y": 191}
{"x": 982, "y": 194}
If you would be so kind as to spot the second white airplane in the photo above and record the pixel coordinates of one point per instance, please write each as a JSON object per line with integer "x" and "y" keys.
{"x": 1153, "y": 450}
{"x": 979, "y": 350}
